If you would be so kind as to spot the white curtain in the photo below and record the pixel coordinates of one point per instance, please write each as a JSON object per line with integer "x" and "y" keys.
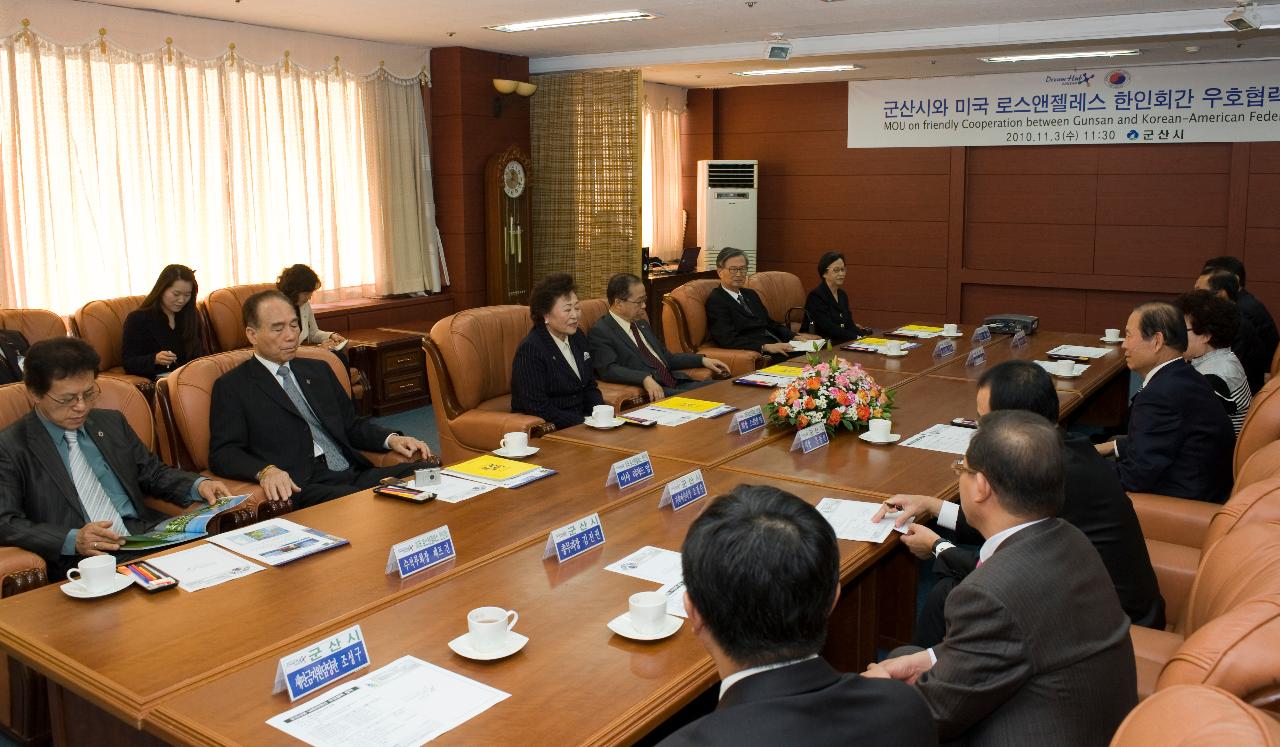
{"x": 114, "y": 164}
{"x": 662, "y": 220}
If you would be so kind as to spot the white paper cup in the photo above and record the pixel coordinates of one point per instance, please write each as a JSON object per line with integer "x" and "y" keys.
{"x": 487, "y": 627}
{"x": 893, "y": 347}
{"x": 515, "y": 441}
{"x": 602, "y": 415}
{"x": 950, "y": 329}
{"x": 94, "y": 573}
{"x": 1064, "y": 368}
{"x": 880, "y": 429}
{"x": 647, "y": 611}
{"x": 1111, "y": 333}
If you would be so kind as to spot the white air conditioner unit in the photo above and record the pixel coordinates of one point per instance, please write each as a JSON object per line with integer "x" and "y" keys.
{"x": 727, "y": 193}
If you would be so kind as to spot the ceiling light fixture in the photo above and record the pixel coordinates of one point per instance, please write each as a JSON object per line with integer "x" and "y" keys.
{"x": 801, "y": 70}
{"x": 1063, "y": 55}
{"x": 555, "y": 23}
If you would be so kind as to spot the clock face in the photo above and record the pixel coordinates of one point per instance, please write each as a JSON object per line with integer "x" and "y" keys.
{"x": 513, "y": 179}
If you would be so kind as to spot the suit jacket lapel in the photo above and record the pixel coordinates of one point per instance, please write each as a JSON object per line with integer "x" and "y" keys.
{"x": 647, "y": 332}
{"x": 545, "y": 335}
{"x": 271, "y": 386}
{"x": 114, "y": 459}
{"x": 579, "y": 360}
{"x": 42, "y": 446}
{"x": 310, "y": 387}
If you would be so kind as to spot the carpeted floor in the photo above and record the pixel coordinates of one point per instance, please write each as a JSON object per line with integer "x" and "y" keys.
{"x": 419, "y": 423}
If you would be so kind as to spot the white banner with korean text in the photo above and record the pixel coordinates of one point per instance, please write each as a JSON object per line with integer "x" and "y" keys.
{"x": 1210, "y": 102}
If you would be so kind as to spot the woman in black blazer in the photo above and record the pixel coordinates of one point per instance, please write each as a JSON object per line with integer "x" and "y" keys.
{"x": 544, "y": 381}
{"x": 828, "y": 306}
{"x": 164, "y": 332}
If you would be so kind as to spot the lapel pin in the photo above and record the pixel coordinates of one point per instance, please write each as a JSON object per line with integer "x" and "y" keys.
{"x": 100, "y": 435}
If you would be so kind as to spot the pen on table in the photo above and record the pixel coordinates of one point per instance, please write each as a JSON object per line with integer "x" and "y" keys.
{"x": 151, "y": 570}
{"x": 135, "y": 570}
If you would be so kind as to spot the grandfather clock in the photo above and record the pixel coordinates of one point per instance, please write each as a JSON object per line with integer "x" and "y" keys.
{"x": 508, "y": 220}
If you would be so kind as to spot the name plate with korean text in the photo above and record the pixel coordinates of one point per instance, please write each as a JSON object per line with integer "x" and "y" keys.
{"x": 574, "y": 539}
{"x": 944, "y": 348}
{"x": 629, "y": 471}
{"x": 682, "y": 491}
{"x": 977, "y": 357}
{"x": 808, "y": 439}
{"x": 981, "y": 335}
{"x": 421, "y": 552}
{"x": 751, "y": 419}
{"x": 1019, "y": 340}
{"x": 303, "y": 672}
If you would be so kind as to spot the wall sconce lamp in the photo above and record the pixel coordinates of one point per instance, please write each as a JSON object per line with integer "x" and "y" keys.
{"x": 506, "y": 87}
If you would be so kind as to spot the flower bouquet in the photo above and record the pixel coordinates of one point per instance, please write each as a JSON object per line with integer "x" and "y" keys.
{"x": 836, "y": 393}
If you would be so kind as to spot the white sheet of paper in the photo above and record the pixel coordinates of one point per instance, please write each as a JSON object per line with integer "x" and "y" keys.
{"x": 662, "y": 415}
{"x": 651, "y": 564}
{"x": 767, "y": 379}
{"x": 852, "y": 520}
{"x": 951, "y": 439}
{"x": 403, "y": 704}
{"x": 1080, "y": 351}
{"x": 203, "y": 566}
{"x": 1052, "y": 367}
{"x": 807, "y": 346}
{"x": 675, "y": 598}
{"x": 456, "y": 490}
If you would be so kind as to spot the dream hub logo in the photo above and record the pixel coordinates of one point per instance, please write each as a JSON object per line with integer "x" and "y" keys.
{"x": 1070, "y": 79}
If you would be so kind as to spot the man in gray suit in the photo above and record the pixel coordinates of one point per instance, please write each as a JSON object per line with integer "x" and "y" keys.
{"x": 1037, "y": 648}
{"x": 625, "y": 350}
{"x": 72, "y": 478}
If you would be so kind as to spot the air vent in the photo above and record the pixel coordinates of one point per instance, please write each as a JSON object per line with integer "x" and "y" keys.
{"x": 731, "y": 174}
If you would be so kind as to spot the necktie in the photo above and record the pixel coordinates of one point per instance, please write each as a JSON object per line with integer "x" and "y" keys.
{"x": 97, "y": 504}
{"x": 742, "y": 301}
{"x": 332, "y": 452}
{"x": 663, "y": 375}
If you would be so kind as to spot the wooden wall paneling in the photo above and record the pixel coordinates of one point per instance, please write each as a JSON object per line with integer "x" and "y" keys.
{"x": 875, "y": 197}
{"x": 1237, "y": 200}
{"x": 1032, "y": 198}
{"x": 1157, "y": 200}
{"x": 864, "y": 242}
{"x": 697, "y": 143}
{"x": 1164, "y": 158}
{"x": 824, "y": 152}
{"x": 1105, "y": 309}
{"x": 1038, "y": 159}
{"x": 1157, "y": 250}
{"x": 1059, "y": 309}
{"x": 1264, "y": 158}
{"x": 1264, "y": 197}
{"x": 797, "y": 108}
{"x": 957, "y": 217}
{"x": 1261, "y": 254}
{"x": 1029, "y": 247}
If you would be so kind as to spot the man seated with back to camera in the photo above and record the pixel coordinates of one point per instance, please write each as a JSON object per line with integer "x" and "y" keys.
{"x": 286, "y": 422}
{"x": 738, "y": 319}
{"x": 1094, "y": 502}
{"x": 762, "y": 575}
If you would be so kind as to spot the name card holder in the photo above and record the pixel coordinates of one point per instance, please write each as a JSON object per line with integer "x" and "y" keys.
{"x": 751, "y": 419}
{"x": 682, "y": 491}
{"x": 808, "y": 439}
{"x": 571, "y": 540}
{"x": 303, "y": 672}
{"x": 629, "y": 471}
{"x": 981, "y": 335}
{"x": 1020, "y": 340}
{"x": 977, "y": 357}
{"x": 420, "y": 553}
{"x": 944, "y": 348}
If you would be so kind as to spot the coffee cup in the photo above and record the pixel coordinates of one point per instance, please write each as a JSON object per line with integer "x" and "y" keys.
{"x": 602, "y": 415}
{"x": 1064, "y": 367}
{"x": 647, "y": 610}
{"x": 1111, "y": 334}
{"x": 425, "y": 478}
{"x": 950, "y": 329}
{"x": 488, "y": 627}
{"x": 94, "y": 573}
{"x": 893, "y": 347}
{"x": 879, "y": 429}
{"x": 515, "y": 441}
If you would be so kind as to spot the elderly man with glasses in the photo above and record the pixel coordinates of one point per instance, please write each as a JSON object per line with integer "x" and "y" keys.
{"x": 625, "y": 350}
{"x": 72, "y": 478}
{"x": 738, "y": 319}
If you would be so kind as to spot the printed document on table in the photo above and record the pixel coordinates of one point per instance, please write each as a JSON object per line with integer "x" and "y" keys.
{"x": 277, "y": 541}
{"x": 675, "y": 598}
{"x": 1079, "y": 351}
{"x": 663, "y": 416}
{"x": 651, "y": 564}
{"x": 808, "y": 346}
{"x": 852, "y": 520}
{"x": 1052, "y": 367}
{"x": 404, "y": 704}
{"x": 203, "y": 566}
{"x": 951, "y": 439}
{"x": 456, "y": 490}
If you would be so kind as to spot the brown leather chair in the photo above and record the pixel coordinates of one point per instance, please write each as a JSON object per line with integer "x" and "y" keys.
{"x": 621, "y": 396}
{"x": 101, "y": 324}
{"x": 1238, "y": 651}
{"x": 1241, "y": 567}
{"x": 34, "y": 324}
{"x": 684, "y": 325}
{"x": 1197, "y": 716}
{"x": 783, "y": 295}
{"x": 224, "y": 311}
{"x": 182, "y": 415}
{"x": 1275, "y": 364}
{"x": 469, "y": 358}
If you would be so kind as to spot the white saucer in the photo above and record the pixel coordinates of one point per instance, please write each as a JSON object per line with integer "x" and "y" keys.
{"x": 77, "y": 590}
{"x": 944, "y": 334}
{"x": 893, "y": 438}
{"x": 508, "y": 453}
{"x": 899, "y": 354}
{"x": 1069, "y": 376}
{"x": 616, "y": 422}
{"x": 1116, "y": 341}
{"x": 623, "y": 627}
{"x": 462, "y": 647}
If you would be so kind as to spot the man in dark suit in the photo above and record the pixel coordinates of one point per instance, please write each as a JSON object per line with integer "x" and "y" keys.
{"x": 1037, "y": 649}
{"x": 1250, "y": 306}
{"x": 1180, "y": 439}
{"x": 72, "y": 479}
{"x": 287, "y": 423}
{"x": 762, "y": 574}
{"x": 625, "y": 350}
{"x": 738, "y": 319}
{"x": 1094, "y": 503}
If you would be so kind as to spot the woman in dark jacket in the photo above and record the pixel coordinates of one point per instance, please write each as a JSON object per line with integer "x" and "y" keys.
{"x": 551, "y": 375}
{"x": 164, "y": 332}
{"x": 828, "y": 306}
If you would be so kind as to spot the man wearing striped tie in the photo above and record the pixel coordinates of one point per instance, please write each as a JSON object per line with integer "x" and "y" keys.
{"x": 72, "y": 478}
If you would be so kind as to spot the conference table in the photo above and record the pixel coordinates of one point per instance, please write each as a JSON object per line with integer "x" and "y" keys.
{"x": 197, "y": 668}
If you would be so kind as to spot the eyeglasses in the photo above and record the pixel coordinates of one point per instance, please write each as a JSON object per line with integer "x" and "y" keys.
{"x": 735, "y": 270}
{"x": 959, "y": 467}
{"x": 88, "y": 398}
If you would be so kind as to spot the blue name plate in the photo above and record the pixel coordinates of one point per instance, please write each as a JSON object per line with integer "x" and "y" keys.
{"x": 630, "y": 471}
{"x": 1019, "y": 340}
{"x": 981, "y": 334}
{"x": 808, "y": 439}
{"x": 944, "y": 348}
{"x": 574, "y": 539}
{"x": 751, "y": 419}
{"x": 977, "y": 357}
{"x": 682, "y": 491}
{"x": 303, "y": 672}
{"x": 421, "y": 552}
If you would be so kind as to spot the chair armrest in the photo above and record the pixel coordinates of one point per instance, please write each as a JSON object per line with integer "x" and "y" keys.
{"x": 1177, "y": 520}
{"x": 385, "y": 458}
{"x": 1152, "y": 650}
{"x": 541, "y": 430}
{"x": 740, "y": 362}
{"x": 482, "y": 430}
{"x": 22, "y": 571}
{"x": 1175, "y": 567}
{"x": 622, "y": 396}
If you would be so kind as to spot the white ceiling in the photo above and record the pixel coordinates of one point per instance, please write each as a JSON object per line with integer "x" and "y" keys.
{"x": 699, "y": 42}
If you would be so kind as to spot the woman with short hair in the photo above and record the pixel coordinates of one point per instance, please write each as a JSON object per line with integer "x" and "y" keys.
{"x": 551, "y": 375}
{"x": 1212, "y": 323}
{"x": 828, "y": 305}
